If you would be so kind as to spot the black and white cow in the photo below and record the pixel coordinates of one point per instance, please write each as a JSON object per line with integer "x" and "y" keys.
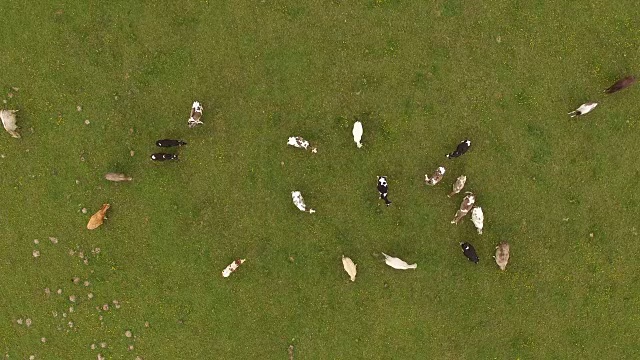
{"x": 469, "y": 251}
{"x": 383, "y": 189}
{"x": 462, "y": 148}
{"x": 163, "y": 156}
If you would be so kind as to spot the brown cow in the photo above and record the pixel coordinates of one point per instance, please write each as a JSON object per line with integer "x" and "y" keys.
{"x": 621, "y": 84}
{"x": 465, "y": 207}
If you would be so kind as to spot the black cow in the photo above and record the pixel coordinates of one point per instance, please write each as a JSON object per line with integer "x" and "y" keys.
{"x": 170, "y": 143}
{"x": 469, "y": 251}
{"x": 461, "y": 149}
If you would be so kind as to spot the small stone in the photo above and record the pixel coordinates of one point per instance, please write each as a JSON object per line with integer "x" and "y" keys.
{"x": 117, "y": 306}
{"x": 81, "y": 158}
{"x": 115, "y": 302}
{"x": 76, "y": 280}
{"x": 19, "y": 321}
{"x": 36, "y": 253}
{"x": 54, "y": 313}
{"x": 86, "y": 261}
{"x": 93, "y": 346}
{"x": 64, "y": 315}
{"x": 84, "y": 210}
{"x": 28, "y": 322}
{"x": 80, "y": 254}
{"x": 127, "y": 333}
{"x": 130, "y": 348}
{"x": 78, "y": 181}
{"x": 36, "y": 241}
{"x": 71, "y": 309}
{"x": 138, "y": 357}
{"x": 87, "y": 122}
{"x": 47, "y": 291}
{"x": 105, "y": 307}
{"x": 53, "y": 240}
{"x": 72, "y": 298}
{"x": 59, "y": 291}
{"x": 96, "y": 250}
{"x": 591, "y": 235}
{"x": 86, "y": 283}
{"x": 146, "y": 324}
{"x": 132, "y": 152}
{"x": 70, "y": 323}
{"x": 79, "y": 108}
{"x": 43, "y": 340}
{"x": 100, "y": 317}
{"x": 90, "y": 295}
{"x": 100, "y": 357}
{"x": 103, "y": 345}
{"x": 32, "y": 357}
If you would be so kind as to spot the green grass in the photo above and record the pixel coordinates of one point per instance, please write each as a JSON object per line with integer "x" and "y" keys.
{"x": 421, "y": 76}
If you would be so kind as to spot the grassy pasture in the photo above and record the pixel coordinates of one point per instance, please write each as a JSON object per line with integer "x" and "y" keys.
{"x": 421, "y": 76}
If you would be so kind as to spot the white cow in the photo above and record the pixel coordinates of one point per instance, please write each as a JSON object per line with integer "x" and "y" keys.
{"x": 232, "y": 267}
{"x": 357, "y": 133}
{"x": 298, "y": 201}
{"x": 477, "y": 217}
{"x": 583, "y": 109}
{"x": 349, "y": 267}
{"x": 398, "y": 263}
{"x": 8, "y": 118}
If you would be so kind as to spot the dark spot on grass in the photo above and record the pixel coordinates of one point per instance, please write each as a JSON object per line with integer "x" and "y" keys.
{"x": 522, "y": 98}
{"x": 452, "y": 8}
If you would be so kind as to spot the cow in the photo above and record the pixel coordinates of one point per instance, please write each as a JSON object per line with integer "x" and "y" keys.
{"x": 583, "y": 109}
{"x": 436, "y": 177}
{"x": 357, "y": 133}
{"x": 470, "y": 252}
{"x": 196, "y": 114}
{"x": 465, "y": 207}
{"x": 462, "y": 148}
{"x": 163, "y": 156}
{"x": 458, "y": 185}
{"x": 477, "y": 217}
{"x": 298, "y": 201}
{"x": 117, "y": 177}
{"x": 232, "y": 267}
{"x": 502, "y": 255}
{"x": 8, "y": 118}
{"x": 298, "y": 142}
{"x": 621, "y": 84}
{"x": 396, "y": 263}
{"x": 170, "y": 143}
{"x": 383, "y": 189}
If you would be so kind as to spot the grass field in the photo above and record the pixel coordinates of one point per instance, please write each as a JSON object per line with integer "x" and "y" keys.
{"x": 421, "y": 76}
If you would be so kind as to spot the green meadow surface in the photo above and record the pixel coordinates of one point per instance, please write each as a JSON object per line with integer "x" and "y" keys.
{"x": 421, "y": 76}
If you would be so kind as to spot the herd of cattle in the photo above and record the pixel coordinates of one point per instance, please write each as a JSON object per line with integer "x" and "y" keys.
{"x": 9, "y": 122}
{"x": 467, "y": 205}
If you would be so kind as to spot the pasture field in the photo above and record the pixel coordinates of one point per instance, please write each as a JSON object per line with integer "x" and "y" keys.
{"x": 421, "y": 76}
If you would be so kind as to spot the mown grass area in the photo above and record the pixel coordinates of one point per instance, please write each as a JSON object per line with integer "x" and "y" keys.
{"x": 421, "y": 77}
